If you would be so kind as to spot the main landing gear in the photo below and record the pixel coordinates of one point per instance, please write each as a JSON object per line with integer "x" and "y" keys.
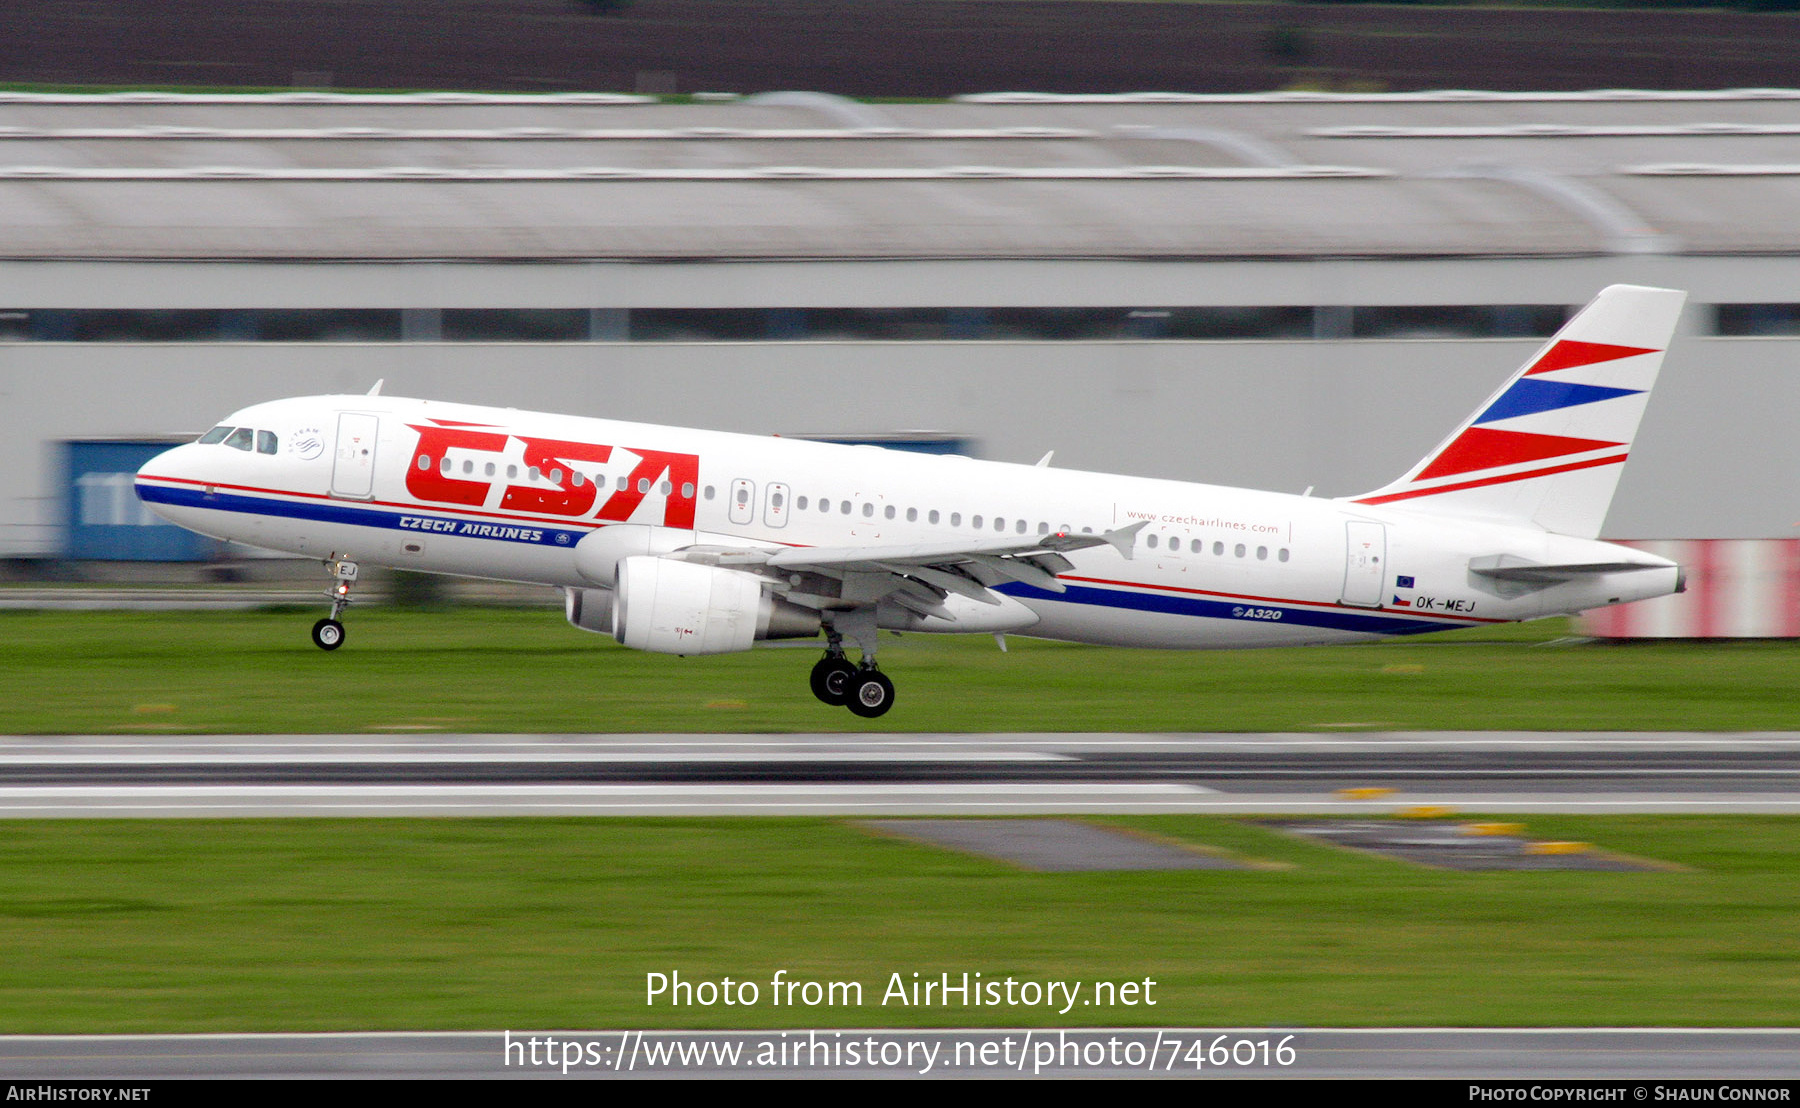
{"x": 836, "y": 681}
{"x": 328, "y": 633}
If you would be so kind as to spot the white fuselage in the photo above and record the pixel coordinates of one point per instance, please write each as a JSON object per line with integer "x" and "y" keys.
{"x": 506, "y": 494}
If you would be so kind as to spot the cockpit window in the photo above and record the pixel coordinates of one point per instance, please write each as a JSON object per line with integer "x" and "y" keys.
{"x": 217, "y": 434}
{"x": 265, "y": 442}
{"x": 241, "y": 439}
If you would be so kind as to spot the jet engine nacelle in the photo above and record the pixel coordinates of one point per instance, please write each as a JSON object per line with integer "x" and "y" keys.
{"x": 597, "y": 556}
{"x": 676, "y": 607}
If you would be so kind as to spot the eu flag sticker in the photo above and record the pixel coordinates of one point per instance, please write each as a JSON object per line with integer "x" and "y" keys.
{"x": 1403, "y": 582}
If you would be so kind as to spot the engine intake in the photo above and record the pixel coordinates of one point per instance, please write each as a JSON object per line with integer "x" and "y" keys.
{"x": 675, "y": 607}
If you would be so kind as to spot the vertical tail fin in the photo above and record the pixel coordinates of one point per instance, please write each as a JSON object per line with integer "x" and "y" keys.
{"x": 1547, "y": 448}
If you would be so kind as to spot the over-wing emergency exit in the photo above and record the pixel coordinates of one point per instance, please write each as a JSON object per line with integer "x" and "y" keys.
{"x": 685, "y": 541}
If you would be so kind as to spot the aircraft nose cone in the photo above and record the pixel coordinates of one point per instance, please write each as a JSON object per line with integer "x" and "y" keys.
{"x": 157, "y": 478}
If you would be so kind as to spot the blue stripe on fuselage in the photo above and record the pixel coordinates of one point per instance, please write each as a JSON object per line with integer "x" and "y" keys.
{"x": 1335, "y": 619}
{"x": 338, "y": 512}
{"x": 334, "y": 511}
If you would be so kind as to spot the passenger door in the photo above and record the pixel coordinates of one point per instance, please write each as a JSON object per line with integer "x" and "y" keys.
{"x": 1365, "y": 563}
{"x": 353, "y": 472}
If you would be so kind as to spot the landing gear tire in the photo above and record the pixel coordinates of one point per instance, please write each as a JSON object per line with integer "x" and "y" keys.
{"x": 832, "y": 679}
{"x": 871, "y": 694}
{"x": 328, "y": 634}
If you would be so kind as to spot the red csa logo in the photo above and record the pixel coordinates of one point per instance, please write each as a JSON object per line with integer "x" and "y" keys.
{"x": 427, "y": 479}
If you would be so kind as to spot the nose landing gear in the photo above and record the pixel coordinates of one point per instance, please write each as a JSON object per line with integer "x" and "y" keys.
{"x": 328, "y": 633}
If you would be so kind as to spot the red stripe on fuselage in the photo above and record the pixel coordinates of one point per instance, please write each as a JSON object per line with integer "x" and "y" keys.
{"x": 595, "y": 524}
{"x": 421, "y": 506}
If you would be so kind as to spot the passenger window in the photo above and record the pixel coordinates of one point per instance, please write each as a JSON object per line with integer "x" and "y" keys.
{"x": 931, "y": 516}
{"x": 643, "y": 484}
{"x": 1150, "y": 541}
{"x": 1240, "y": 550}
{"x": 975, "y": 523}
{"x": 889, "y": 512}
{"x": 424, "y": 461}
{"x": 667, "y": 488}
{"x": 709, "y": 492}
{"x": 1283, "y": 556}
{"x": 576, "y": 479}
{"x": 533, "y": 473}
{"x": 217, "y": 434}
{"x": 1262, "y": 553}
{"x": 489, "y": 470}
{"x": 1020, "y": 527}
{"x": 241, "y": 439}
{"x": 512, "y": 472}
{"x": 912, "y": 515}
{"x": 1219, "y": 549}
{"x": 999, "y": 524}
{"x": 868, "y": 510}
{"x": 800, "y": 503}
{"x": 1043, "y": 528}
{"x": 445, "y": 465}
{"x": 1196, "y": 546}
{"x": 687, "y": 490}
{"x": 956, "y": 519}
{"x": 468, "y": 466}
{"x": 266, "y": 442}
{"x": 844, "y": 507}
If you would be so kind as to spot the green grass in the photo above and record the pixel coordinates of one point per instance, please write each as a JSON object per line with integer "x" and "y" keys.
{"x": 251, "y": 925}
{"x": 508, "y": 670}
{"x": 196, "y": 925}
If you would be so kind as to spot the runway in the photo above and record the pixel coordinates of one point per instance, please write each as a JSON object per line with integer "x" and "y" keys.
{"x": 900, "y": 774}
{"x": 897, "y": 774}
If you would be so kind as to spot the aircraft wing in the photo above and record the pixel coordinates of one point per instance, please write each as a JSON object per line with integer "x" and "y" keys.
{"x": 918, "y": 575}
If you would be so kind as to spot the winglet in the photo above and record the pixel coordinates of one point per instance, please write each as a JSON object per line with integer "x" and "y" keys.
{"x": 376, "y": 391}
{"x": 1045, "y": 460}
{"x": 1125, "y": 538}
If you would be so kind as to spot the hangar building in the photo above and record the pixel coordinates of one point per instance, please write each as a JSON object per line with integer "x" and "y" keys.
{"x": 1285, "y": 291}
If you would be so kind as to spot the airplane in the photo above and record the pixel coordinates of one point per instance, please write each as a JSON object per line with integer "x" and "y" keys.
{"x": 690, "y": 542}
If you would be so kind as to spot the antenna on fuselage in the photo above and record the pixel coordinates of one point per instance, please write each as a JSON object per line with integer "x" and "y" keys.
{"x": 376, "y": 391}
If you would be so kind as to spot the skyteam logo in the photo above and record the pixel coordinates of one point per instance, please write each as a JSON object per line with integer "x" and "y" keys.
{"x": 307, "y": 443}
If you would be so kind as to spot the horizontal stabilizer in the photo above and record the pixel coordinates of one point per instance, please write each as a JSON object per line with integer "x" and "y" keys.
{"x": 1511, "y": 567}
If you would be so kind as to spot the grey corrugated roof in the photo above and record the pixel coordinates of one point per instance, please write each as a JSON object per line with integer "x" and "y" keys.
{"x": 398, "y": 177}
